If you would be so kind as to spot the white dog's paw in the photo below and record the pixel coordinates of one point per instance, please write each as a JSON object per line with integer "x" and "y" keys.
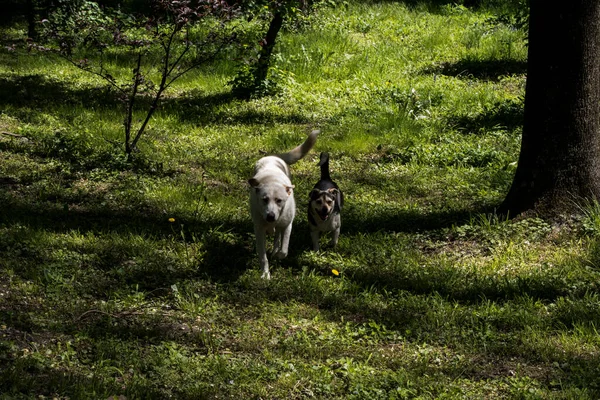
{"x": 266, "y": 275}
{"x": 281, "y": 254}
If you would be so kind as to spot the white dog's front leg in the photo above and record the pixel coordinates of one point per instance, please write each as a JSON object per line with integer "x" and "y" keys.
{"x": 285, "y": 242}
{"x": 315, "y": 235}
{"x": 276, "y": 243}
{"x": 261, "y": 239}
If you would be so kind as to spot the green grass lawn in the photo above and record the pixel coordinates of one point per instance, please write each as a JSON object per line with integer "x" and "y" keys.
{"x": 142, "y": 281}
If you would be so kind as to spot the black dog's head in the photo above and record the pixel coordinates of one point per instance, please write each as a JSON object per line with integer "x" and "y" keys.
{"x": 323, "y": 202}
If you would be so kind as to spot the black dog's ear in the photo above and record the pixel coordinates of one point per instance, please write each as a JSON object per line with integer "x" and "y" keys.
{"x": 253, "y": 182}
{"x": 339, "y": 199}
{"x": 314, "y": 194}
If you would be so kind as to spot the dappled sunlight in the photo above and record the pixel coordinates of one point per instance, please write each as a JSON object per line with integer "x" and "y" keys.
{"x": 138, "y": 276}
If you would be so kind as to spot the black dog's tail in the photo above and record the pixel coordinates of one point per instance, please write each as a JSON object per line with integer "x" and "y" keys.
{"x": 324, "y": 164}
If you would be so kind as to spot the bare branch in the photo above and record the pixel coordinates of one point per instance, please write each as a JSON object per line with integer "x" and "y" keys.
{"x": 106, "y": 77}
{"x": 168, "y": 33}
{"x": 129, "y": 118}
{"x": 15, "y": 135}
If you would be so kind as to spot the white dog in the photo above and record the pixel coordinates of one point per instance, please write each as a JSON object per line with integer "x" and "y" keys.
{"x": 272, "y": 204}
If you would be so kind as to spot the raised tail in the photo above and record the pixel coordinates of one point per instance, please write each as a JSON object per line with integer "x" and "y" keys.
{"x": 324, "y": 164}
{"x": 298, "y": 152}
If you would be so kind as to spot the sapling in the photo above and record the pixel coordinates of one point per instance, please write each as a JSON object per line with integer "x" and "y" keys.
{"x": 253, "y": 75}
{"x": 158, "y": 48}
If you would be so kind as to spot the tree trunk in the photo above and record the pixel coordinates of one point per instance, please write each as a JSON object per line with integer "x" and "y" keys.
{"x": 559, "y": 163}
{"x": 262, "y": 67}
{"x": 31, "y": 19}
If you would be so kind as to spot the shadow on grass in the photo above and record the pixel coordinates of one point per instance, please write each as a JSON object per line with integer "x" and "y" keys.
{"x": 223, "y": 259}
{"x": 197, "y": 108}
{"x": 416, "y": 299}
{"x": 382, "y": 289}
{"x": 27, "y": 378}
{"x": 228, "y": 248}
{"x": 42, "y": 93}
{"x": 449, "y": 283}
{"x": 433, "y": 5}
{"x": 455, "y": 284}
{"x": 479, "y": 69}
{"x": 505, "y": 115}
{"x": 224, "y": 248}
{"x": 39, "y": 92}
{"x": 408, "y": 221}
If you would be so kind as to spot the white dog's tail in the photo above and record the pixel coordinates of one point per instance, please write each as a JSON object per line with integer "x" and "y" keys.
{"x": 298, "y": 152}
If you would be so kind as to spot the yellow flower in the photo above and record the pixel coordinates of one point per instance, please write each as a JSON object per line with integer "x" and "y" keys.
{"x": 335, "y": 272}
{"x": 171, "y": 219}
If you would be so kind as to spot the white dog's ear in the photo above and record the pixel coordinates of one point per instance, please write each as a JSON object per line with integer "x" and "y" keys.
{"x": 289, "y": 189}
{"x": 253, "y": 182}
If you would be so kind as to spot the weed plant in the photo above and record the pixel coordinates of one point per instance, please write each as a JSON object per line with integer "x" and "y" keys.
{"x": 141, "y": 281}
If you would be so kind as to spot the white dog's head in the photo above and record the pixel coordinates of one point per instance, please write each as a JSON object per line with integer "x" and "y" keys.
{"x": 271, "y": 198}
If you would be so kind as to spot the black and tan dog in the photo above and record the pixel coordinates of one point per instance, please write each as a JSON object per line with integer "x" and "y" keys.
{"x": 325, "y": 206}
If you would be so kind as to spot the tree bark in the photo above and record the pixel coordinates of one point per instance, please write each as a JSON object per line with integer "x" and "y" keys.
{"x": 559, "y": 163}
{"x": 31, "y": 19}
{"x": 262, "y": 67}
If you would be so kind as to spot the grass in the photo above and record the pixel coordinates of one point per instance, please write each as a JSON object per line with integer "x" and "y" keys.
{"x": 142, "y": 281}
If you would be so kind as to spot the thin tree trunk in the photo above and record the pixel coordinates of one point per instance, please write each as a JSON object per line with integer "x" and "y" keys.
{"x": 129, "y": 145}
{"x": 262, "y": 67}
{"x": 31, "y": 18}
{"x": 559, "y": 162}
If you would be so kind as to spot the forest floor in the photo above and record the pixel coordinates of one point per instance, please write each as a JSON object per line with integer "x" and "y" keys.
{"x": 141, "y": 280}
